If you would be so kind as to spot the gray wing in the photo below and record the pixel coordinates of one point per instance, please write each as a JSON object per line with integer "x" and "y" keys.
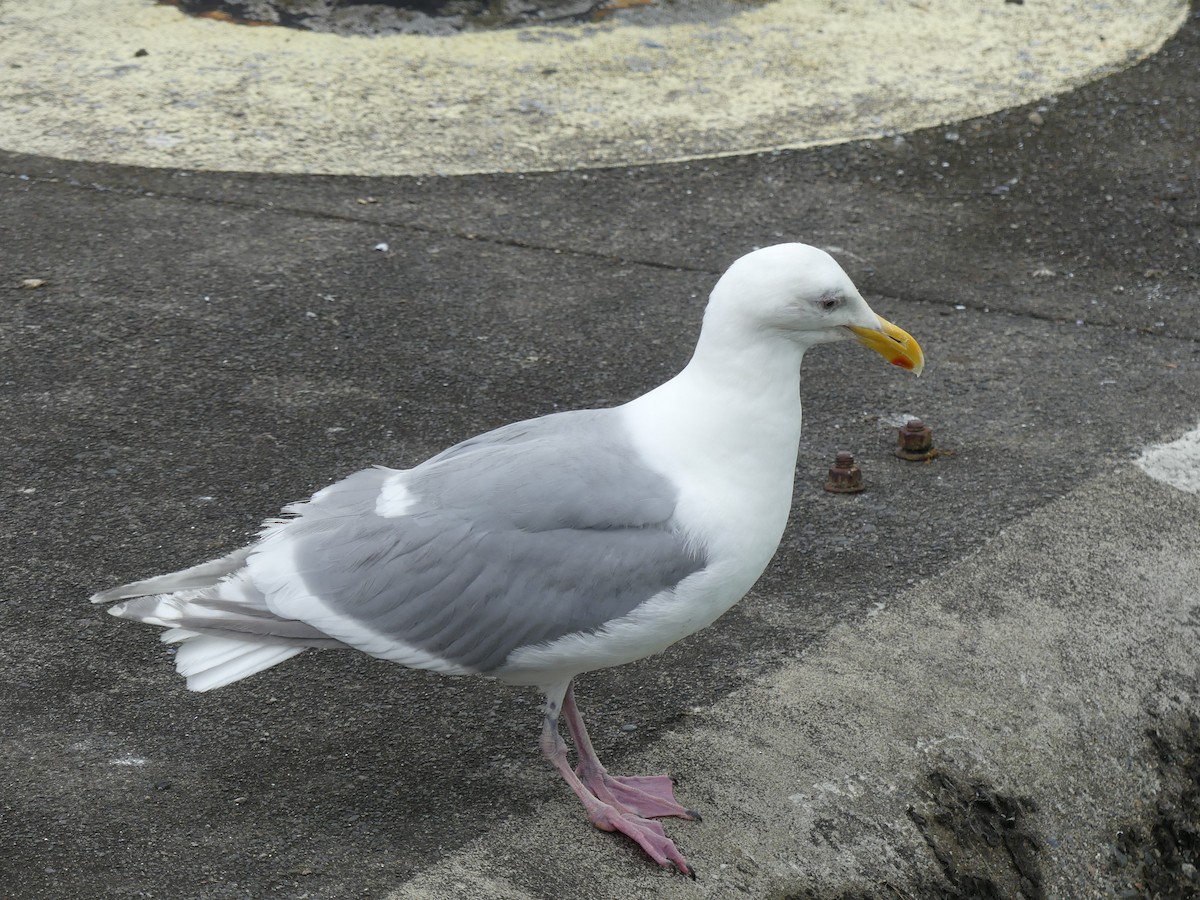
{"x": 517, "y": 537}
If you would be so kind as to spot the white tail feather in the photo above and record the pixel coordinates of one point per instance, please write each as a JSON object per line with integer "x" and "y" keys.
{"x": 204, "y": 575}
{"x": 168, "y": 610}
{"x": 175, "y": 635}
{"x": 209, "y": 662}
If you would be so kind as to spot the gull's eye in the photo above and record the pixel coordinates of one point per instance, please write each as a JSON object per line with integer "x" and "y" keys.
{"x": 829, "y": 304}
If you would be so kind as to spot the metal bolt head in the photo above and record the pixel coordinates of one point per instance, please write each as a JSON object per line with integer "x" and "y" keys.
{"x": 916, "y": 441}
{"x": 844, "y": 476}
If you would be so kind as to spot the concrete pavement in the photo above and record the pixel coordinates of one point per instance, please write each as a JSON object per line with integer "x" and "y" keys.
{"x": 1003, "y": 639}
{"x": 991, "y": 726}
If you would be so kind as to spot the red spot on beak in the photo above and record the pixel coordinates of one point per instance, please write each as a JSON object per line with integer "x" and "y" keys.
{"x": 903, "y": 363}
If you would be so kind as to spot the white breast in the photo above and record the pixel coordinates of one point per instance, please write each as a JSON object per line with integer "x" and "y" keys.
{"x": 735, "y": 490}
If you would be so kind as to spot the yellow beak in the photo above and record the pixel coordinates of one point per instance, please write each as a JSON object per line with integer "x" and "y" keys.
{"x": 894, "y": 344}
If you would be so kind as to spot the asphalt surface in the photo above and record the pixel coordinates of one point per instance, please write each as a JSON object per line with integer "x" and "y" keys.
{"x": 206, "y": 346}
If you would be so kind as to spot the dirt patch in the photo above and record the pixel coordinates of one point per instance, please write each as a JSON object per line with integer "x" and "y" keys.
{"x": 413, "y": 17}
{"x": 981, "y": 839}
{"x": 364, "y": 17}
{"x": 1161, "y": 858}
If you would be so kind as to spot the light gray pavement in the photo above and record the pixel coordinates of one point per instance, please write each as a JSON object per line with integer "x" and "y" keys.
{"x": 1003, "y": 638}
{"x": 661, "y": 81}
{"x": 991, "y": 721}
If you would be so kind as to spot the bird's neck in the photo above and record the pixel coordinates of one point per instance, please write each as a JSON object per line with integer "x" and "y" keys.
{"x": 736, "y": 403}
{"x": 739, "y": 358}
{"x": 726, "y": 431}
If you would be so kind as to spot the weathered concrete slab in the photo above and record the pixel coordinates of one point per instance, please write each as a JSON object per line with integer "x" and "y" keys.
{"x": 1023, "y": 725}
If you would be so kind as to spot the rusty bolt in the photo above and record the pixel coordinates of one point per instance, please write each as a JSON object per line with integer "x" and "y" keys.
{"x": 916, "y": 441}
{"x": 844, "y": 477}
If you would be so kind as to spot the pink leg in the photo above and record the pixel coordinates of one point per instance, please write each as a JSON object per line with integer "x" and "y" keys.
{"x": 648, "y": 796}
{"x": 647, "y": 833}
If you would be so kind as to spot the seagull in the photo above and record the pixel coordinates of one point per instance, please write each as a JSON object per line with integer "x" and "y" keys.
{"x": 553, "y": 546}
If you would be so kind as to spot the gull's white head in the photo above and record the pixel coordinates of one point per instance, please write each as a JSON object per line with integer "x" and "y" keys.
{"x": 801, "y": 293}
